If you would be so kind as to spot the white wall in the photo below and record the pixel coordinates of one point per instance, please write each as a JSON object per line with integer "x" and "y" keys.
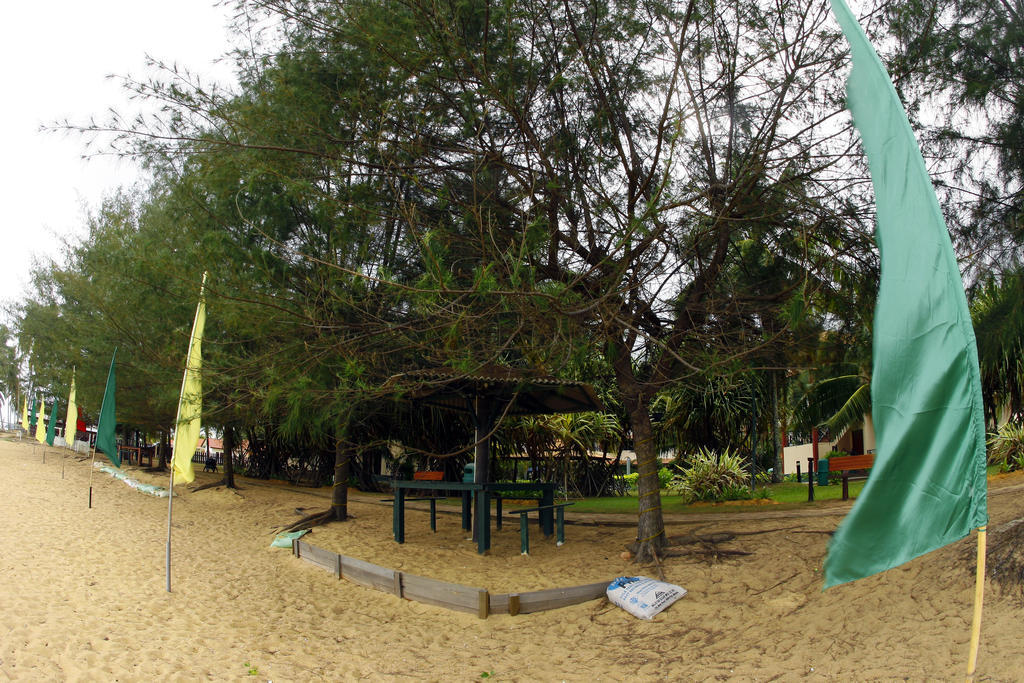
{"x": 791, "y": 455}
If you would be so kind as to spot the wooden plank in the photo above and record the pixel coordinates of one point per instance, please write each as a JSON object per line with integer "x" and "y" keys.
{"x": 452, "y": 596}
{"x": 554, "y": 598}
{"x": 484, "y": 603}
{"x": 369, "y": 575}
{"x": 513, "y": 604}
{"x": 499, "y": 603}
{"x": 851, "y": 462}
{"x": 324, "y": 559}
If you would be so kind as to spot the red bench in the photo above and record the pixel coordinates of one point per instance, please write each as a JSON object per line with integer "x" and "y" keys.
{"x": 428, "y": 475}
{"x": 847, "y": 463}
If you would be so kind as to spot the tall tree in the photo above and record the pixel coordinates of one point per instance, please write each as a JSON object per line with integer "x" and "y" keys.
{"x": 962, "y": 65}
{"x": 475, "y": 182}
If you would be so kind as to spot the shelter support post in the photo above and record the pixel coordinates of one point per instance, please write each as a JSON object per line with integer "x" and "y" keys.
{"x": 398, "y": 515}
{"x": 467, "y": 510}
{"x": 483, "y": 520}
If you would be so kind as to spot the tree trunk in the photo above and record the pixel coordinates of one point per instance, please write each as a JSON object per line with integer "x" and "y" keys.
{"x": 650, "y": 533}
{"x": 339, "y": 491}
{"x": 776, "y": 444}
{"x": 229, "y": 448}
{"x": 165, "y": 445}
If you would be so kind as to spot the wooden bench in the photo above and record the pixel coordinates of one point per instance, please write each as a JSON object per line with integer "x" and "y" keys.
{"x": 524, "y": 533}
{"x": 428, "y": 475}
{"x": 848, "y": 463}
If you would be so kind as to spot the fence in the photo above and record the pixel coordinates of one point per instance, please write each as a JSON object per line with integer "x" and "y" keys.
{"x": 200, "y": 456}
{"x": 451, "y": 596}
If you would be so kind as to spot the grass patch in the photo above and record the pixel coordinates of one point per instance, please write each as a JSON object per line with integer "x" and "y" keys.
{"x": 784, "y": 496}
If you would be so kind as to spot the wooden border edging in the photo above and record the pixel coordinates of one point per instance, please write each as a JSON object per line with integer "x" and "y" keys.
{"x": 451, "y": 596}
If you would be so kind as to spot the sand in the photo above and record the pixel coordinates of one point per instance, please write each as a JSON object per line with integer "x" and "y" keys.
{"x": 82, "y": 595}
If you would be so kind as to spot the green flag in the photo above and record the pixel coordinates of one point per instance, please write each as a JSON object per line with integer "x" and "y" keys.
{"x": 105, "y": 440}
{"x": 51, "y": 428}
{"x": 927, "y": 487}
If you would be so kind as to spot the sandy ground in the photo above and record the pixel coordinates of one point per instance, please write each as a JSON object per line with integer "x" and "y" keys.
{"x": 82, "y": 595}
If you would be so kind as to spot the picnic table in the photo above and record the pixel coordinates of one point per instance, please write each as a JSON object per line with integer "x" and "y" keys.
{"x": 134, "y": 455}
{"x": 473, "y": 495}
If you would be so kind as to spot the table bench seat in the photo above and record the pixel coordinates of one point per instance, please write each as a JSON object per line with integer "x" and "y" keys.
{"x": 524, "y": 527}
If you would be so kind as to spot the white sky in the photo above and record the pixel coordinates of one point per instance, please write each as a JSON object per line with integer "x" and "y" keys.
{"x": 54, "y": 61}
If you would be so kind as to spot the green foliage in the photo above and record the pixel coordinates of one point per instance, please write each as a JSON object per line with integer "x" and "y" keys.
{"x": 637, "y": 194}
{"x": 961, "y": 63}
{"x": 665, "y": 477}
{"x": 1006, "y": 447}
{"x": 712, "y": 477}
{"x": 999, "y": 329}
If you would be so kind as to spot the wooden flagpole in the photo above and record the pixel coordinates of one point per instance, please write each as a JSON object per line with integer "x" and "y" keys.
{"x": 92, "y": 468}
{"x": 979, "y": 595}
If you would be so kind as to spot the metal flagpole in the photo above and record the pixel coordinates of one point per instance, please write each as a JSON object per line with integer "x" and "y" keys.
{"x": 170, "y": 501}
{"x": 979, "y": 595}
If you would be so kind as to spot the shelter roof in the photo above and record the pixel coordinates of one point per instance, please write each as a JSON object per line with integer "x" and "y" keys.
{"x": 530, "y": 392}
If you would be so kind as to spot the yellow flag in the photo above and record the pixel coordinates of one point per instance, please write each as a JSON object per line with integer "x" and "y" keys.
{"x": 24, "y": 414}
{"x": 190, "y": 403}
{"x": 40, "y": 427}
{"x": 71, "y": 421}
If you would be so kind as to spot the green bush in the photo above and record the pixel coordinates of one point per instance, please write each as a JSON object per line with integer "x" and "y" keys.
{"x": 712, "y": 477}
{"x": 1006, "y": 447}
{"x": 664, "y": 477}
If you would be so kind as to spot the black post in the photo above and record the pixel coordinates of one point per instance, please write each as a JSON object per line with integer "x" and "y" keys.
{"x": 753, "y": 444}
{"x": 798, "y": 479}
{"x": 810, "y": 479}
{"x": 483, "y": 419}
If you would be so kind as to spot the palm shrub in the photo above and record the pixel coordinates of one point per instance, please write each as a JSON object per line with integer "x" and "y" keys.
{"x": 712, "y": 477}
{"x": 1006, "y": 447}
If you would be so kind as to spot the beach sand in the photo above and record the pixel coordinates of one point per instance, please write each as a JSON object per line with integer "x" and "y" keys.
{"x": 82, "y": 594}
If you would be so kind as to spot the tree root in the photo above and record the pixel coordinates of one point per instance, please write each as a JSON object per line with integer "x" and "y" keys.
{"x": 709, "y": 546}
{"x": 310, "y": 521}
{"x": 710, "y": 553}
{"x": 645, "y": 552}
{"x": 213, "y": 484}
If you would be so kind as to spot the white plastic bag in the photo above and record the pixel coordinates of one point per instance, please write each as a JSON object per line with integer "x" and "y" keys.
{"x": 643, "y": 597}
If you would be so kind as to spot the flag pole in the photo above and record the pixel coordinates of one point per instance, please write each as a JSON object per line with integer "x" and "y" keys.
{"x": 170, "y": 501}
{"x": 181, "y": 438}
{"x": 92, "y": 468}
{"x": 979, "y": 595}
